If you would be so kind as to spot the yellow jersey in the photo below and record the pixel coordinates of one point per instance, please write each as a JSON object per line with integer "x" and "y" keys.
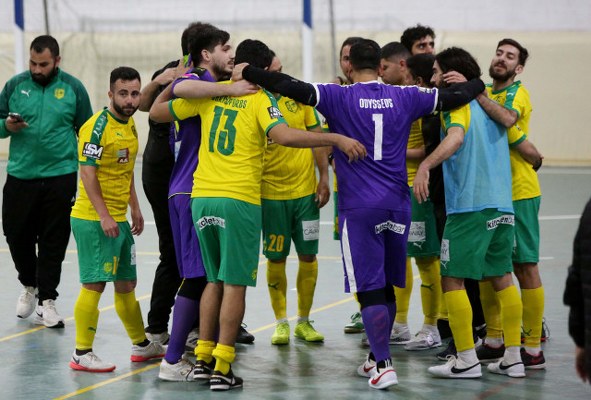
{"x": 289, "y": 172}
{"x": 516, "y": 97}
{"x": 415, "y": 141}
{"x": 233, "y": 143}
{"x": 110, "y": 145}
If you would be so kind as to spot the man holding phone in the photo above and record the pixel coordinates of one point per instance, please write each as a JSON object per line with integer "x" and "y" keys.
{"x": 40, "y": 111}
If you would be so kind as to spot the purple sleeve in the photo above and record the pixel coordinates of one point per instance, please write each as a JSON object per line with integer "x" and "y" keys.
{"x": 328, "y": 98}
{"x": 188, "y": 75}
{"x": 422, "y": 101}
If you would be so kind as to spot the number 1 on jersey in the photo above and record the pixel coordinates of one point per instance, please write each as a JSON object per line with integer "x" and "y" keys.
{"x": 378, "y": 126}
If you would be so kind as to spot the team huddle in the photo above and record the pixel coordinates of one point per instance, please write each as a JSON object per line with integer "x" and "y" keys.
{"x": 430, "y": 163}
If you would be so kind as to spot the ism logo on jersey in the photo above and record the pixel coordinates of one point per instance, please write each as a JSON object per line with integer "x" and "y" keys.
{"x": 92, "y": 150}
{"x": 274, "y": 112}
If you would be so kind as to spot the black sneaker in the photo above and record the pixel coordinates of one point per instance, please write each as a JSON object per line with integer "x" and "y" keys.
{"x": 203, "y": 370}
{"x": 219, "y": 381}
{"x": 444, "y": 329}
{"x": 243, "y": 336}
{"x": 449, "y": 351}
{"x": 533, "y": 362}
{"x": 488, "y": 354}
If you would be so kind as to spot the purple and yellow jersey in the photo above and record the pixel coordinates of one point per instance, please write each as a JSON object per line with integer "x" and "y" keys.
{"x": 289, "y": 172}
{"x": 110, "y": 145}
{"x": 415, "y": 141}
{"x": 516, "y": 97}
{"x": 232, "y": 144}
{"x": 185, "y": 138}
{"x": 379, "y": 116}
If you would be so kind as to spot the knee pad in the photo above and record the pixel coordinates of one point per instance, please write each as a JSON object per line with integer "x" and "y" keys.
{"x": 192, "y": 288}
{"x": 371, "y": 298}
{"x": 389, "y": 293}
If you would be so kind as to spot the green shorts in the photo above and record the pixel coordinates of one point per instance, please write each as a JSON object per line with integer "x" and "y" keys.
{"x": 477, "y": 245}
{"x": 101, "y": 258}
{"x": 422, "y": 236}
{"x": 229, "y": 233}
{"x": 335, "y": 232}
{"x": 287, "y": 220}
{"x": 527, "y": 231}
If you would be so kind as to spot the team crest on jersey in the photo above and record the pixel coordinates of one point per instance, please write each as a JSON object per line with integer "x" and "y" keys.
{"x": 292, "y": 106}
{"x": 123, "y": 156}
{"x": 274, "y": 112}
{"x": 92, "y": 150}
{"x": 133, "y": 130}
{"x": 59, "y": 93}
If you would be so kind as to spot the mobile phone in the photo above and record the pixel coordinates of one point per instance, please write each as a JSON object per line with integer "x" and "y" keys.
{"x": 16, "y": 116}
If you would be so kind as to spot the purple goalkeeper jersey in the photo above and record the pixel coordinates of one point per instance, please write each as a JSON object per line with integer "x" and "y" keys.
{"x": 185, "y": 138}
{"x": 379, "y": 116}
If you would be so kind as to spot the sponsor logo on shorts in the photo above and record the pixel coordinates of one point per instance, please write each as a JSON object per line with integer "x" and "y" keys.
{"x": 311, "y": 230}
{"x": 91, "y": 150}
{"x": 391, "y": 226}
{"x": 444, "y": 257}
{"x": 503, "y": 219}
{"x": 274, "y": 112}
{"x": 132, "y": 251}
{"x": 204, "y": 222}
{"x": 123, "y": 156}
{"x": 417, "y": 232}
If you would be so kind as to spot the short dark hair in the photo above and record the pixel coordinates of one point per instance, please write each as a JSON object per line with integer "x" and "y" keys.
{"x": 414, "y": 33}
{"x": 253, "y": 52}
{"x": 523, "y": 53}
{"x": 43, "y": 42}
{"x": 365, "y": 54}
{"x": 395, "y": 49}
{"x": 190, "y": 31}
{"x": 204, "y": 36}
{"x": 125, "y": 74}
{"x": 421, "y": 65}
{"x": 350, "y": 41}
{"x": 458, "y": 59}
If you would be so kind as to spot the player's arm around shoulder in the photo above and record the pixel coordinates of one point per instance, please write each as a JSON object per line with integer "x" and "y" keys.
{"x": 290, "y": 137}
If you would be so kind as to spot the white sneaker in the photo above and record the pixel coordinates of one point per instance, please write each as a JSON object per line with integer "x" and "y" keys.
{"x": 400, "y": 334}
{"x": 25, "y": 304}
{"x": 424, "y": 340}
{"x": 47, "y": 315}
{"x": 161, "y": 338}
{"x": 367, "y": 368}
{"x": 515, "y": 370}
{"x": 90, "y": 362}
{"x": 191, "y": 342}
{"x": 145, "y": 353}
{"x": 182, "y": 371}
{"x": 383, "y": 376}
{"x": 456, "y": 368}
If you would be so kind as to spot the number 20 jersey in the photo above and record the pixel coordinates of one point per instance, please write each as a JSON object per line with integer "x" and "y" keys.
{"x": 379, "y": 116}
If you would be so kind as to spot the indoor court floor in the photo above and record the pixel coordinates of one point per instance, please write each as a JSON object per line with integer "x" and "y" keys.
{"x": 34, "y": 360}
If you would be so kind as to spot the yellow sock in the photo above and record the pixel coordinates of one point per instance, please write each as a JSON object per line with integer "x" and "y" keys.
{"x": 130, "y": 313}
{"x": 277, "y": 285}
{"x": 306, "y": 285}
{"x": 430, "y": 288}
{"x": 460, "y": 319}
{"x": 442, "y": 307}
{"x": 511, "y": 314}
{"x": 204, "y": 350}
{"x": 533, "y": 313}
{"x": 403, "y": 296}
{"x": 224, "y": 356}
{"x": 491, "y": 310}
{"x": 86, "y": 315}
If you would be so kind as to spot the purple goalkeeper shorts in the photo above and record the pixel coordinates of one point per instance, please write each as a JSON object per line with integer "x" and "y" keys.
{"x": 186, "y": 244}
{"x": 373, "y": 244}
